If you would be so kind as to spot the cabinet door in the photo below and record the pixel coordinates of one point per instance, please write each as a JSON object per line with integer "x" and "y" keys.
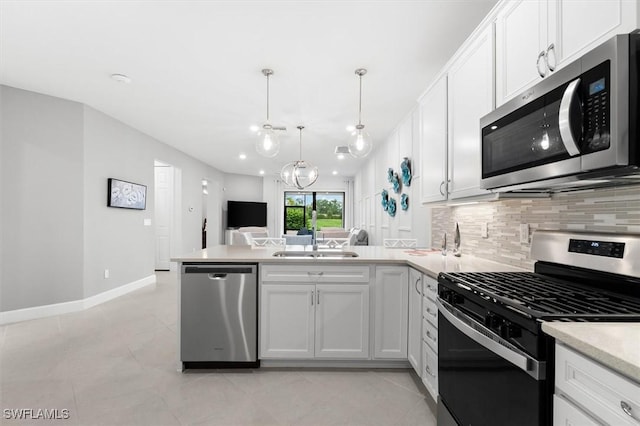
{"x": 415, "y": 321}
{"x": 287, "y": 321}
{"x": 342, "y": 321}
{"x": 566, "y": 414}
{"x": 433, "y": 143}
{"x": 391, "y": 312}
{"x": 521, "y": 34}
{"x": 575, "y": 27}
{"x": 470, "y": 97}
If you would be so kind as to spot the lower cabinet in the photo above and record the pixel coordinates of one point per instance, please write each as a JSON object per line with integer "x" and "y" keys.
{"x": 391, "y": 312}
{"x": 305, "y": 321}
{"x": 430, "y": 336}
{"x": 589, "y": 393}
{"x": 414, "y": 343}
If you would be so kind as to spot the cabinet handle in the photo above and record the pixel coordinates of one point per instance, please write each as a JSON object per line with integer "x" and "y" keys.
{"x": 431, "y": 313}
{"x": 315, "y": 274}
{"x": 447, "y": 186}
{"x": 551, "y": 48}
{"x": 626, "y": 408}
{"x": 318, "y": 298}
{"x": 542, "y": 73}
{"x": 441, "y": 185}
{"x": 312, "y": 296}
{"x": 416, "y": 286}
{"x": 433, "y": 339}
{"x": 428, "y": 370}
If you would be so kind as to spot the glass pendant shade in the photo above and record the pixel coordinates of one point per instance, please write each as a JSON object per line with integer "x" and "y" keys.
{"x": 304, "y": 174}
{"x": 286, "y": 174}
{"x": 360, "y": 143}
{"x": 267, "y": 144}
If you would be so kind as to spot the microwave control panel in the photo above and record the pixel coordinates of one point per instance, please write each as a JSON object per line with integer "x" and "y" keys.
{"x": 596, "y": 108}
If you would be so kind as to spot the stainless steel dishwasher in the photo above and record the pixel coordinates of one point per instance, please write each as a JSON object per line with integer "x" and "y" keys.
{"x": 219, "y": 315}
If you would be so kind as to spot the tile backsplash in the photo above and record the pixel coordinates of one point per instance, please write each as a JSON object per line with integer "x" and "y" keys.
{"x": 607, "y": 210}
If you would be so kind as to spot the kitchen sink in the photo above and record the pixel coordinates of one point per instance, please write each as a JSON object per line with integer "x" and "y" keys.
{"x": 321, "y": 254}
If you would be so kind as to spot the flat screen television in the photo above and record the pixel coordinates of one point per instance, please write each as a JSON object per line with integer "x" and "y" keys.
{"x": 126, "y": 195}
{"x": 246, "y": 213}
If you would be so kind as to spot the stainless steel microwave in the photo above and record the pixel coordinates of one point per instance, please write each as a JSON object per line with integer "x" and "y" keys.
{"x": 576, "y": 128}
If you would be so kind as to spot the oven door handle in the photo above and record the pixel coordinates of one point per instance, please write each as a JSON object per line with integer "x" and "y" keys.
{"x": 491, "y": 341}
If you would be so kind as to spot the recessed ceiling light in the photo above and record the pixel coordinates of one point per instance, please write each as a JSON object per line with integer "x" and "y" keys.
{"x": 335, "y": 172}
{"x": 121, "y": 78}
{"x": 204, "y": 182}
{"x": 243, "y": 156}
{"x": 254, "y": 128}
{"x": 351, "y": 128}
{"x": 340, "y": 156}
{"x": 261, "y": 172}
{"x": 205, "y": 192}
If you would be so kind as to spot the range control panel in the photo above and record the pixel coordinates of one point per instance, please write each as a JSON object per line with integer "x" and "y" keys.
{"x": 597, "y": 248}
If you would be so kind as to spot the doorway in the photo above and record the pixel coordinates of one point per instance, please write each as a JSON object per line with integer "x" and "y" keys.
{"x": 164, "y": 195}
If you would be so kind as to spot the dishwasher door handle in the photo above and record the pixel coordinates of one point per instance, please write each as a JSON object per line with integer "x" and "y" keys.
{"x": 219, "y": 277}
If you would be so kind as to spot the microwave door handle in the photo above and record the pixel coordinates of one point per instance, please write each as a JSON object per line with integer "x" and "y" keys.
{"x": 564, "y": 118}
{"x": 479, "y": 334}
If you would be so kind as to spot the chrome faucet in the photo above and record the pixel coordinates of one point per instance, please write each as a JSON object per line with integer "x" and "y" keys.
{"x": 314, "y": 242}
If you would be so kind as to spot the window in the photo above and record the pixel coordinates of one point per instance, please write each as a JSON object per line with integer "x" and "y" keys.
{"x": 298, "y": 206}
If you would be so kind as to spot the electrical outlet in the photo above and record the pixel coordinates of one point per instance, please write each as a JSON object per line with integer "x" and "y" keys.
{"x": 106, "y": 274}
{"x": 484, "y": 230}
{"x": 524, "y": 233}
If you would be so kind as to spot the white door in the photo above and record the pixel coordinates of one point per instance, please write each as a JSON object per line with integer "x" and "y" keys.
{"x": 415, "y": 321}
{"x": 470, "y": 97}
{"x": 433, "y": 143}
{"x": 521, "y": 35}
{"x": 342, "y": 321}
{"x": 163, "y": 208}
{"x": 287, "y": 320}
{"x": 391, "y": 312}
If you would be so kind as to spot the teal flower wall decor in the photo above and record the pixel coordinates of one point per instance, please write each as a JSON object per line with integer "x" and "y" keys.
{"x": 405, "y": 167}
{"x": 396, "y": 183}
{"x": 391, "y": 209}
{"x": 390, "y": 174}
{"x": 385, "y": 199}
{"x": 404, "y": 201}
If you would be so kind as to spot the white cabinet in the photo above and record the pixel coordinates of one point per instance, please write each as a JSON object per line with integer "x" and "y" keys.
{"x": 470, "y": 96}
{"x": 414, "y": 343}
{"x": 430, "y": 336}
{"x": 433, "y": 143}
{"x": 391, "y": 312}
{"x": 536, "y": 37}
{"x": 314, "y": 311}
{"x": 287, "y": 321}
{"x": 588, "y": 390}
{"x": 342, "y": 321}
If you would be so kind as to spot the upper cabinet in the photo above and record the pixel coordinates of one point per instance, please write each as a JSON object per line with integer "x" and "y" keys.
{"x": 433, "y": 143}
{"x": 470, "y": 96}
{"x": 537, "y": 37}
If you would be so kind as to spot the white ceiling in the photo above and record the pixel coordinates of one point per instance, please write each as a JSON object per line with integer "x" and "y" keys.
{"x": 195, "y": 67}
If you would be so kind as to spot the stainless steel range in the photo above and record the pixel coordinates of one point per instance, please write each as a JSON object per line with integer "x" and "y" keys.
{"x": 495, "y": 365}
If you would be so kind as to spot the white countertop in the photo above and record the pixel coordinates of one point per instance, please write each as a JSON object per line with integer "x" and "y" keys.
{"x": 430, "y": 262}
{"x": 616, "y": 345}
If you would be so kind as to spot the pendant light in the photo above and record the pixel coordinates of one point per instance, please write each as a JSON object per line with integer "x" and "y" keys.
{"x": 267, "y": 144}
{"x": 300, "y": 174}
{"x": 360, "y": 143}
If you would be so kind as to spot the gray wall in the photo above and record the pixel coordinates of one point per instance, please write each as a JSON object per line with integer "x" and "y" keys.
{"x": 41, "y": 204}
{"x": 58, "y": 236}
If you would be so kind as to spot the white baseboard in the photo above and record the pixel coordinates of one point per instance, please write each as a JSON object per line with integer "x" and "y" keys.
{"x": 75, "y": 305}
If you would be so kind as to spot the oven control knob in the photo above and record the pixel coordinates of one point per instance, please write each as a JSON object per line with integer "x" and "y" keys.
{"x": 509, "y": 330}
{"x": 492, "y": 322}
{"x": 456, "y": 299}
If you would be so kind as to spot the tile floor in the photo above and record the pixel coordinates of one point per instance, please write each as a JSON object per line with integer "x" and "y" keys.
{"x": 115, "y": 364}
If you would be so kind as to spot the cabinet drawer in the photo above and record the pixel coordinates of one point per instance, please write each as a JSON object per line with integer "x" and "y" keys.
{"x": 430, "y": 370}
{"x": 314, "y": 273}
{"x": 601, "y": 391}
{"x": 430, "y": 288}
{"x": 567, "y": 414}
{"x": 430, "y": 335}
{"x": 430, "y": 311}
